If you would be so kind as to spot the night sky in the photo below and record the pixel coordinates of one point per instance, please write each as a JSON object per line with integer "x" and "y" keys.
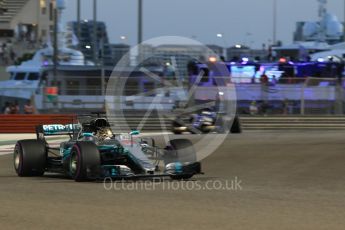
{"x": 240, "y": 21}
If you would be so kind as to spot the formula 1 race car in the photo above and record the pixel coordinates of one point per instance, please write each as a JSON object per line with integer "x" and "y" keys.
{"x": 94, "y": 152}
{"x": 206, "y": 121}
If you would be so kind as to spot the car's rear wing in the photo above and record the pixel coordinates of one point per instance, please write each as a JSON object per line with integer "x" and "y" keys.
{"x": 57, "y": 129}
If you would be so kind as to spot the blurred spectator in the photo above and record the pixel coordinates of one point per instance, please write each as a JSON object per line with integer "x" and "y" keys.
{"x": 6, "y": 109}
{"x": 28, "y": 108}
{"x": 12, "y": 55}
{"x": 332, "y": 67}
{"x": 14, "y": 108}
{"x": 287, "y": 107}
{"x": 273, "y": 80}
{"x": 340, "y": 70}
{"x": 253, "y": 109}
{"x": 264, "y": 86}
{"x": 253, "y": 80}
{"x": 265, "y": 107}
{"x": 5, "y": 54}
{"x": 264, "y": 79}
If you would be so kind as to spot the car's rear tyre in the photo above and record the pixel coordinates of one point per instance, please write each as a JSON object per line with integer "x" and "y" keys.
{"x": 206, "y": 129}
{"x": 182, "y": 150}
{"x": 176, "y": 125}
{"x": 30, "y": 157}
{"x": 84, "y": 161}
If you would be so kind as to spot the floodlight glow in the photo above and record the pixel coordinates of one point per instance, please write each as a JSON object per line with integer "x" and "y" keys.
{"x": 212, "y": 59}
{"x": 282, "y": 60}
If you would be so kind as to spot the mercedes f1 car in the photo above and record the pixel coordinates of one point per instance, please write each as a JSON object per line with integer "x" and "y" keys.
{"x": 93, "y": 152}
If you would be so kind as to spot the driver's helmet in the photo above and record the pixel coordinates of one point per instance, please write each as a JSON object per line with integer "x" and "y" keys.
{"x": 100, "y": 123}
{"x": 104, "y": 133}
{"x": 88, "y": 137}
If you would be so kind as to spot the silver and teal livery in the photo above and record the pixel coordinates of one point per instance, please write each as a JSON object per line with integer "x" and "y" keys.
{"x": 93, "y": 151}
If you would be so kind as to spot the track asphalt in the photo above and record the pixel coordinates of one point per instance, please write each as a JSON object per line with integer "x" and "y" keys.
{"x": 255, "y": 180}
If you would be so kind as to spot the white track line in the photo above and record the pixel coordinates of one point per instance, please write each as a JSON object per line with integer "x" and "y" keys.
{"x": 6, "y": 149}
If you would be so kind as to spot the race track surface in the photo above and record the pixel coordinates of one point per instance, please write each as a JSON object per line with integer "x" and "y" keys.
{"x": 290, "y": 180}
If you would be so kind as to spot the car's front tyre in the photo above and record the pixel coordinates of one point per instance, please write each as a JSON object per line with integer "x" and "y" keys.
{"x": 84, "y": 161}
{"x": 181, "y": 150}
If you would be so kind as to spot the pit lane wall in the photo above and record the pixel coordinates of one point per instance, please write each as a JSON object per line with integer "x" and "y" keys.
{"x": 26, "y": 123}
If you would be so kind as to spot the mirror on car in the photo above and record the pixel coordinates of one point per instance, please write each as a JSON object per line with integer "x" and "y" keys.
{"x": 134, "y": 132}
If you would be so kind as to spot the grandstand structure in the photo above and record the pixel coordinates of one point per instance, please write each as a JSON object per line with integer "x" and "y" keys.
{"x": 29, "y": 19}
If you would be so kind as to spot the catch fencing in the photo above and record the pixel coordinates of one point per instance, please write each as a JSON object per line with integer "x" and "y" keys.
{"x": 288, "y": 96}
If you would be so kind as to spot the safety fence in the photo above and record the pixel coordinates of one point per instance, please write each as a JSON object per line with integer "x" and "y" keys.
{"x": 290, "y": 96}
